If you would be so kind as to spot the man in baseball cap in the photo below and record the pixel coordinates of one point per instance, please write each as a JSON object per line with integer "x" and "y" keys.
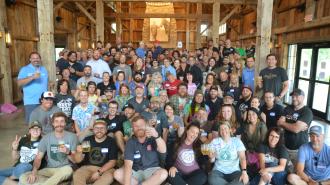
{"x": 44, "y": 111}
{"x": 313, "y": 165}
{"x": 97, "y": 170}
{"x": 297, "y": 92}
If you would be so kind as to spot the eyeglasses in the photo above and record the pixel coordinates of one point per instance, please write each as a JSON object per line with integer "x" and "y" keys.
{"x": 316, "y": 160}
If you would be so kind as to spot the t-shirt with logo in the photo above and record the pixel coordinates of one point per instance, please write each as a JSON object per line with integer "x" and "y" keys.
{"x": 144, "y": 155}
{"x": 100, "y": 153}
{"x": 171, "y": 87}
{"x": 115, "y": 124}
{"x": 272, "y": 115}
{"x": 66, "y": 103}
{"x": 294, "y": 140}
{"x": 49, "y": 144}
{"x": 27, "y": 150}
{"x": 227, "y": 51}
{"x": 273, "y": 79}
{"x": 227, "y": 158}
{"x": 273, "y": 155}
{"x": 186, "y": 160}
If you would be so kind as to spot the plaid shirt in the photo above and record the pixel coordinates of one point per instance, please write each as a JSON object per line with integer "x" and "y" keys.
{"x": 179, "y": 103}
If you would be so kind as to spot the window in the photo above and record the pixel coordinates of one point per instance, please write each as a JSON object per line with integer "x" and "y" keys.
{"x": 313, "y": 76}
{"x": 223, "y": 29}
{"x": 113, "y": 27}
{"x": 204, "y": 29}
{"x": 291, "y": 68}
{"x": 57, "y": 52}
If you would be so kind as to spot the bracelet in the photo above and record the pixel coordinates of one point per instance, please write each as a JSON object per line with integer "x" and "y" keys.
{"x": 157, "y": 137}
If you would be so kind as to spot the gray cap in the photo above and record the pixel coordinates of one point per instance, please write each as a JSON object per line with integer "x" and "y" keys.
{"x": 316, "y": 129}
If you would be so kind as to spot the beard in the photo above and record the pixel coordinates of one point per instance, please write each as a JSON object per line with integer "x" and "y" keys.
{"x": 138, "y": 80}
{"x": 88, "y": 74}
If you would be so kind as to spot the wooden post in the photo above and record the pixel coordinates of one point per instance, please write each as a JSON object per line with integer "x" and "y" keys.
{"x": 187, "y": 28}
{"x": 5, "y": 70}
{"x": 118, "y": 21}
{"x": 198, "y": 26}
{"x": 100, "y": 20}
{"x": 215, "y": 23}
{"x": 46, "y": 45}
{"x": 310, "y": 10}
{"x": 264, "y": 27}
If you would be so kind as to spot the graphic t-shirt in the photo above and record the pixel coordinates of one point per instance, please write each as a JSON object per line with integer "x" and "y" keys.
{"x": 171, "y": 87}
{"x": 49, "y": 144}
{"x": 66, "y": 103}
{"x": 227, "y": 159}
{"x": 100, "y": 153}
{"x": 273, "y": 155}
{"x": 294, "y": 140}
{"x": 115, "y": 124}
{"x": 186, "y": 161}
{"x": 27, "y": 150}
{"x": 273, "y": 79}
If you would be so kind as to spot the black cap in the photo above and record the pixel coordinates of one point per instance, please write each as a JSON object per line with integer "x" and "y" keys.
{"x": 128, "y": 106}
{"x": 297, "y": 92}
{"x": 254, "y": 110}
{"x": 214, "y": 87}
{"x": 107, "y": 54}
{"x": 228, "y": 93}
{"x": 108, "y": 89}
{"x": 35, "y": 124}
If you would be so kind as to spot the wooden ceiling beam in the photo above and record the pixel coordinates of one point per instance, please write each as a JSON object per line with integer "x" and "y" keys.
{"x": 81, "y": 8}
{"x": 143, "y": 15}
{"x": 181, "y": 1}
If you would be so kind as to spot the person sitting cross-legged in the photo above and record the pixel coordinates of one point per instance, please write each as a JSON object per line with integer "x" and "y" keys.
{"x": 142, "y": 165}
{"x": 313, "y": 166}
{"x": 97, "y": 154}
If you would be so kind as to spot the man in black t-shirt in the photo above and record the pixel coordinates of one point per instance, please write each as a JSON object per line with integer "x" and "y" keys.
{"x": 98, "y": 156}
{"x": 244, "y": 103}
{"x": 115, "y": 125}
{"x": 228, "y": 49}
{"x": 274, "y": 78}
{"x": 142, "y": 152}
{"x": 214, "y": 102}
{"x": 295, "y": 120}
{"x": 272, "y": 110}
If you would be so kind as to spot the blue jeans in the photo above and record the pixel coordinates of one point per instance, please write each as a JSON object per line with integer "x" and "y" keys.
{"x": 16, "y": 171}
{"x": 278, "y": 178}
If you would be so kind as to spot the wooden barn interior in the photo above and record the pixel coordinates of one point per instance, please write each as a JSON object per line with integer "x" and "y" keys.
{"x": 298, "y": 31}
{"x": 291, "y": 29}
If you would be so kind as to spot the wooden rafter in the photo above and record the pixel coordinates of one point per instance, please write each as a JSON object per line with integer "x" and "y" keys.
{"x": 181, "y": 1}
{"x": 81, "y": 8}
{"x": 154, "y": 15}
{"x": 58, "y": 6}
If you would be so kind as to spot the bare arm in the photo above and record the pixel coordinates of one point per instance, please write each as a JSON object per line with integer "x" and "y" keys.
{"x": 24, "y": 81}
{"x": 284, "y": 89}
{"x": 37, "y": 162}
{"x": 300, "y": 171}
{"x": 161, "y": 145}
{"x": 279, "y": 168}
{"x": 128, "y": 164}
{"x": 295, "y": 127}
{"x": 107, "y": 166}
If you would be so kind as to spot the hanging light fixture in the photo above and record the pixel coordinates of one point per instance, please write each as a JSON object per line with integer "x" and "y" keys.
{"x": 79, "y": 44}
{"x": 7, "y": 38}
{"x": 93, "y": 45}
{"x": 158, "y": 3}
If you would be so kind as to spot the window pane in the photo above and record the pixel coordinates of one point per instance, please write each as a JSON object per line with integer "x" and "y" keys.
{"x": 323, "y": 65}
{"x": 320, "y": 97}
{"x": 304, "y": 85}
{"x": 291, "y": 68}
{"x": 305, "y": 63}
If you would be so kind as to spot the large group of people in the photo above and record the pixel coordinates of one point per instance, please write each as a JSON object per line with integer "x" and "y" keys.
{"x": 154, "y": 116}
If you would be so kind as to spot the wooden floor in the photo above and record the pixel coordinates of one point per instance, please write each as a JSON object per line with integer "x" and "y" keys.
{"x": 10, "y": 125}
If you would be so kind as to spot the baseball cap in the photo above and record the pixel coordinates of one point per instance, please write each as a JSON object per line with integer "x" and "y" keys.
{"x": 100, "y": 121}
{"x": 109, "y": 89}
{"x": 247, "y": 87}
{"x": 214, "y": 87}
{"x": 297, "y": 92}
{"x": 228, "y": 93}
{"x": 316, "y": 129}
{"x": 128, "y": 106}
{"x": 35, "y": 124}
{"x": 139, "y": 86}
{"x": 154, "y": 99}
{"x": 47, "y": 94}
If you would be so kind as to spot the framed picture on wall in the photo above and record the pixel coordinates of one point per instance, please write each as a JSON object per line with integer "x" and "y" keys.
{"x": 159, "y": 29}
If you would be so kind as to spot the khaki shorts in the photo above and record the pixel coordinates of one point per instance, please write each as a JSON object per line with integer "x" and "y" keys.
{"x": 143, "y": 175}
{"x": 293, "y": 159}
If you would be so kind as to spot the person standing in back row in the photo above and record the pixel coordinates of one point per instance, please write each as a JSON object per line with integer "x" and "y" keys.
{"x": 33, "y": 78}
{"x": 274, "y": 78}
